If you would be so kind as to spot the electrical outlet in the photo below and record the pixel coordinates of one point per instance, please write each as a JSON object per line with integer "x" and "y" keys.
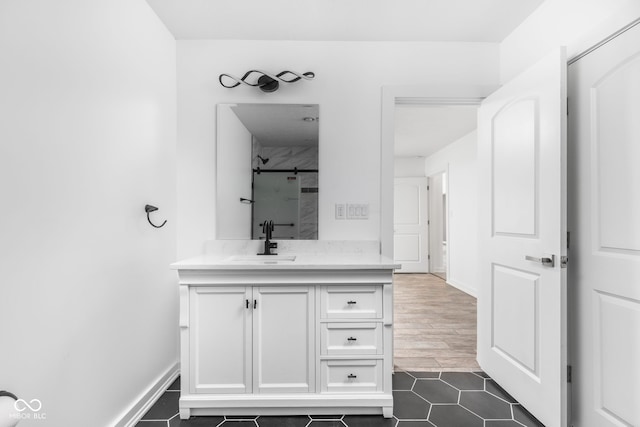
{"x": 340, "y": 211}
{"x": 357, "y": 211}
{"x": 351, "y": 211}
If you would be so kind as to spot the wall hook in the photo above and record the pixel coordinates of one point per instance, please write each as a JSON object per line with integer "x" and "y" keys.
{"x": 148, "y": 209}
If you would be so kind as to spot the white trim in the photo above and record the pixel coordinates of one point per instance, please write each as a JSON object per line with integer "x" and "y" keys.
{"x": 622, "y": 20}
{"x": 442, "y": 95}
{"x": 604, "y": 41}
{"x": 431, "y": 101}
{"x": 131, "y": 416}
{"x": 462, "y": 287}
{"x": 430, "y": 219}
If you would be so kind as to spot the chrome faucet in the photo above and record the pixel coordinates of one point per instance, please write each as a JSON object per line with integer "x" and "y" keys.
{"x": 267, "y": 229}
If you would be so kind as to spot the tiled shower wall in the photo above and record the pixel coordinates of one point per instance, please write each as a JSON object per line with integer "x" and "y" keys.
{"x": 301, "y": 157}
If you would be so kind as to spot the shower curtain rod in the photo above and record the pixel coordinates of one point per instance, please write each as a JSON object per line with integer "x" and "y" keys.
{"x": 294, "y": 170}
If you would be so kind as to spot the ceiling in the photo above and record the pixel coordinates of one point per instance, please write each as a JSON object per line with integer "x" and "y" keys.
{"x": 420, "y": 131}
{"x": 280, "y": 125}
{"x": 344, "y": 20}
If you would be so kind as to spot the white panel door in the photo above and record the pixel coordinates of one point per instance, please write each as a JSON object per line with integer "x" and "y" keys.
{"x": 410, "y": 244}
{"x": 521, "y": 301}
{"x": 284, "y": 331}
{"x": 604, "y": 184}
{"x": 220, "y": 328}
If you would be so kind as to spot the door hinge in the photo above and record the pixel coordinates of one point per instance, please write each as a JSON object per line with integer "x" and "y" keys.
{"x": 564, "y": 261}
{"x": 569, "y": 374}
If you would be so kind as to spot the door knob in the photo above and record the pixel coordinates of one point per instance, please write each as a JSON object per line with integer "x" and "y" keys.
{"x": 546, "y": 260}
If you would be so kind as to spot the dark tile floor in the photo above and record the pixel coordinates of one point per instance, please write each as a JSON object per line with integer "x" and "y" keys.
{"x": 421, "y": 399}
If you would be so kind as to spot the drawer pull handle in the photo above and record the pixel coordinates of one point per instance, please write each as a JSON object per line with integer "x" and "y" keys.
{"x": 352, "y": 339}
{"x": 351, "y": 376}
{"x": 351, "y": 302}
{"x": 247, "y": 305}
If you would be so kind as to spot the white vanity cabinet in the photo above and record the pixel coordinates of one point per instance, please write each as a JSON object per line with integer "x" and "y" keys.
{"x": 251, "y": 339}
{"x": 285, "y": 339}
{"x": 217, "y": 320}
{"x": 352, "y": 339}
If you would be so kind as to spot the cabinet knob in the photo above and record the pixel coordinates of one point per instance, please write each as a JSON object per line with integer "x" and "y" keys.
{"x": 351, "y": 302}
{"x": 351, "y": 376}
{"x": 352, "y": 339}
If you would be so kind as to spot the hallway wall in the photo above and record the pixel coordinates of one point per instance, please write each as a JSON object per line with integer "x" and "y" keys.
{"x": 459, "y": 160}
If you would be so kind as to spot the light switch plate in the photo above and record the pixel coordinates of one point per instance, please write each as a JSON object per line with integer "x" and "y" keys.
{"x": 340, "y": 211}
{"x": 357, "y": 211}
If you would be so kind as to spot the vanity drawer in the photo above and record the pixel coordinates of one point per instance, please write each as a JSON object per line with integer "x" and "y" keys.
{"x": 351, "y": 376}
{"x": 351, "y": 302}
{"x": 350, "y": 338}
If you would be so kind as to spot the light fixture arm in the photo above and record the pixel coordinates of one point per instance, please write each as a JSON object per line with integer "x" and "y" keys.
{"x": 266, "y": 82}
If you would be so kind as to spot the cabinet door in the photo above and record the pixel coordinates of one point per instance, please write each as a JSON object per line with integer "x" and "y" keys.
{"x": 220, "y": 341}
{"x": 284, "y": 348}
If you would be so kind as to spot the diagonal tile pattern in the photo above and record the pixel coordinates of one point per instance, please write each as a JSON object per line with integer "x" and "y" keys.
{"x": 421, "y": 399}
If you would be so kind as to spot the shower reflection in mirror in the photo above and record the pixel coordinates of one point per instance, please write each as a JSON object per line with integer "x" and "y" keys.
{"x": 283, "y": 163}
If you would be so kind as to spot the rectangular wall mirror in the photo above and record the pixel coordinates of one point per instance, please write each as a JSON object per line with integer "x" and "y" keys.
{"x": 267, "y": 169}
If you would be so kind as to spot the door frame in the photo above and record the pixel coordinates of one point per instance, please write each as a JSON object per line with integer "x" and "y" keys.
{"x": 444, "y": 212}
{"x": 421, "y": 95}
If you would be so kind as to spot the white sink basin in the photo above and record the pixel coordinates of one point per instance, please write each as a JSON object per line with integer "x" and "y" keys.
{"x": 262, "y": 259}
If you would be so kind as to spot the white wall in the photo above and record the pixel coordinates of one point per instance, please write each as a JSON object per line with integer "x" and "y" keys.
{"x": 577, "y": 24}
{"x": 408, "y": 166}
{"x": 88, "y": 307}
{"x": 348, "y": 87}
{"x": 459, "y": 160}
{"x": 234, "y": 170}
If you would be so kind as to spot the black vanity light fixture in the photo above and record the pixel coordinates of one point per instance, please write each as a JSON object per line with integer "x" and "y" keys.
{"x": 265, "y": 81}
{"x": 148, "y": 209}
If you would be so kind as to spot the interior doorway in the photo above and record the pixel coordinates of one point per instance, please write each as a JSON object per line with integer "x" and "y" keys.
{"x": 438, "y": 225}
{"x": 435, "y": 322}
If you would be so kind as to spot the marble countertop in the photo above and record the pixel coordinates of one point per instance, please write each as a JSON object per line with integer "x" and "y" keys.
{"x": 297, "y": 256}
{"x": 279, "y": 262}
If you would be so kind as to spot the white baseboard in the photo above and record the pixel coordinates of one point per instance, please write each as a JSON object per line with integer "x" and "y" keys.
{"x": 463, "y": 288}
{"x": 131, "y": 416}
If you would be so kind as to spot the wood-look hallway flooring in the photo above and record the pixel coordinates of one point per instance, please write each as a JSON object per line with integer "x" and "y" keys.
{"x": 434, "y": 325}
